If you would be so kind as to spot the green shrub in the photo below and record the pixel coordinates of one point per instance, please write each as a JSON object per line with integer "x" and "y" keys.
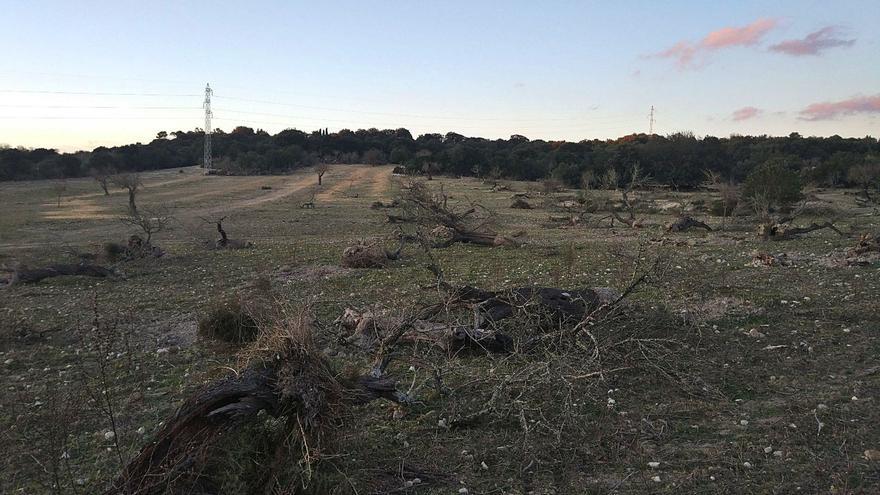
{"x": 773, "y": 182}
{"x": 722, "y": 208}
{"x": 228, "y": 321}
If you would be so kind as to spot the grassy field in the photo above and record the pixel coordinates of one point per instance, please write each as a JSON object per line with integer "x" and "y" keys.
{"x": 743, "y": 378}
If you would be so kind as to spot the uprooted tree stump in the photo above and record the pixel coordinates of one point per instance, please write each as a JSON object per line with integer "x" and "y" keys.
{"x": 224, "y": 242}
{"x": 520, "y": 204}
{"x": 31, "y": 275}
{"x": 369, "y": 254}
{"x": 685, "y": 223}
{"x": 289, "y": 380}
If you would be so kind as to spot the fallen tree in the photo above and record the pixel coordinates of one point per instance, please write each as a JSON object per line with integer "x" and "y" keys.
{"x": 780, "y": 231}
{"x": 685, "y": 223}
{"x": 468, "y": 224}
{"x": 285, "y": 377}
{"x": 31, "y": 275}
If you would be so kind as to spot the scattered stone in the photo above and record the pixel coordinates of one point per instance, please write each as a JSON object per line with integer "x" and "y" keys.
{"x": 656, "y": 479}
{"x": 872, "y": 455}
{"x": 109, "y": 435}
{"x": 747, "y": 465}
{"x": 653, "y": 465}
{"x": 768, "y": 450}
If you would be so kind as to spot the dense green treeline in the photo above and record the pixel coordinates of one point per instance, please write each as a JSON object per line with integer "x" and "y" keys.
{"x": 679, "y": 160}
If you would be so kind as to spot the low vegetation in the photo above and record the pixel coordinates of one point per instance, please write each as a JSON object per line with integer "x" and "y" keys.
{"x": 407, "y": 336}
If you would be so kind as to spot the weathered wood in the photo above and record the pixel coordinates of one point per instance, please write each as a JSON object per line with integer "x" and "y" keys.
{"x": 300, "y": 386}
{"x": 26, "y": 275}
{"x": 685, "y": 223}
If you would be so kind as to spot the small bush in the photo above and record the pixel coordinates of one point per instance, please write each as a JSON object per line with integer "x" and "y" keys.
{"x": 721, "y": 208}
{"x": 228, "y": 321}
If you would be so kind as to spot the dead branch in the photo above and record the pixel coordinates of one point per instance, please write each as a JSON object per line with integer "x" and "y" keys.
{"x": 685, "y": 223}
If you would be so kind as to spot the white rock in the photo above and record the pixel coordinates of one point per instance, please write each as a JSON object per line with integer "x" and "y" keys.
{"x": 744, "y": 422}
{"x": 747, "y": 465}
{"x": 656, "y": 479}
{"x": 484, "y": 466}
{"x": 463, "y": 491}
{"x": 109, "y": 435}
{"x": 162, "y": 350}
{"x": 141, "y": 430}
{"x": 767, "y": 450}
{"x": 8, "y": 361}
{"x": 653, "y": 464}
{"x": 777, "y": 453}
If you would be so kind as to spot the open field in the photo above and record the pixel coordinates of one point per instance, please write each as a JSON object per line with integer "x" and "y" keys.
{"x": 765, "y": 379}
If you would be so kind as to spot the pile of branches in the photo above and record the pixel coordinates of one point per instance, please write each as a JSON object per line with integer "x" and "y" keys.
{"x": 282, "y": 375}
{"x": 468, "y": 223}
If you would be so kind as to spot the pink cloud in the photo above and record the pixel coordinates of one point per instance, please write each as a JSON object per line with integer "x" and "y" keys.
{"x": 831, "y": 109}
{"x": 688, "y": 54}
{"x": 739, "y": 36}
{"x": 813, "y": 43}
{"x": 746, "y": 113}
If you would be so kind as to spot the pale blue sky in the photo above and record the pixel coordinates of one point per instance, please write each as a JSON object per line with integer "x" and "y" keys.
{"x": 551, "y": 70}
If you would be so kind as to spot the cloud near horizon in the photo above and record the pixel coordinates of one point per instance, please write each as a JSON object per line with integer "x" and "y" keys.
{"x": 689, "y": 55}
{"x": 813, "y": 43}
{"x": 832, "y": 109}
{"x": 746, "y": 113}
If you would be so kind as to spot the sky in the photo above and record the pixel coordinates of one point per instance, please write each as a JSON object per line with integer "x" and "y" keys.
{"x": 76, "y": 75}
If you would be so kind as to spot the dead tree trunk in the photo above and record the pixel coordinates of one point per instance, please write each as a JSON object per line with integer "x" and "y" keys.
{"x": 300, "y": 386}
{"x": 24, "y": 275}
{"x": 683, "y": 224}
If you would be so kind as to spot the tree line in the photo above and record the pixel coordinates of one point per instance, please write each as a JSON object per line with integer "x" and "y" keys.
{"x": 679, "y": 160}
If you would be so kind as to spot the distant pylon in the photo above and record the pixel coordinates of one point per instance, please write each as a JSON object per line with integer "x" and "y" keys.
{"x": 651, "y": 122}
{"x": 207, "y": 160}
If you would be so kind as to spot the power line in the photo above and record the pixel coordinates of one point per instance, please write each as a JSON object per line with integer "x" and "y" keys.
{"x": 99, "y": 107}
{"x": 91, "y": 93}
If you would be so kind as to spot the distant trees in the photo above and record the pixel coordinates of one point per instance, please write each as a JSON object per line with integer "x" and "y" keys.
{"x": 866, "y": 176}
{"x": 678, "y": 160}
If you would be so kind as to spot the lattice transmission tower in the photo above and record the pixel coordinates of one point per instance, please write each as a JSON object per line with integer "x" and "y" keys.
{"x": 207, "y": 160}
{"x": 651, "y": 122}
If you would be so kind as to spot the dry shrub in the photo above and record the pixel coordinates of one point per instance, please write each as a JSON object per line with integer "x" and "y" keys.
{"x": 229, "y": 321}
{"x": 114, "y": 251}
{"x": 364, "y": 254}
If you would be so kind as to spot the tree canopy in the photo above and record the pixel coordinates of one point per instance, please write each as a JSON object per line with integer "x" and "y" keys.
{"x": 678, "y": 160}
